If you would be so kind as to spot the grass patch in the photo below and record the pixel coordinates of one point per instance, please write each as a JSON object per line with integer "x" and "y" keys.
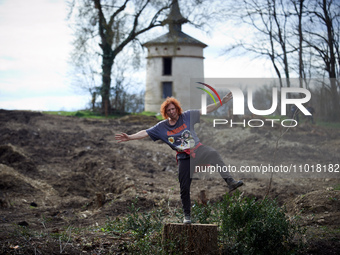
{"x": 157, "y": 115}
{"x": 146, "y": 113}
{"x": 84, "y": 114}
{"x": 61, "y": 113}
{"x": 334, "y": 125}
{"x": 96, "y": 115}
{"x": 337, "y": 187}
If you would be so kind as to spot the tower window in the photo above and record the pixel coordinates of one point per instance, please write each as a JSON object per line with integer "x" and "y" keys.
{"x": 167, "y": 66}
{"x": 167, "y": 89}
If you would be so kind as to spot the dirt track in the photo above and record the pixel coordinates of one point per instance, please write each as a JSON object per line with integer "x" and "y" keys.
{"x": 72, "y": 171}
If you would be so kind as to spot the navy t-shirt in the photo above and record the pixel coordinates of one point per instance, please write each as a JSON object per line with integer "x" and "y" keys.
{"x": 180, "y": 136}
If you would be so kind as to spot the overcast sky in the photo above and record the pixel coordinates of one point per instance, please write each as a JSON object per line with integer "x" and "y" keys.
{"x": 35, "y": 46}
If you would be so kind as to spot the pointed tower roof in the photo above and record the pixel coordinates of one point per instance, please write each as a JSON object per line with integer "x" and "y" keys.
{"x": 175, "y": 18}
{"x": 175, "y": 34}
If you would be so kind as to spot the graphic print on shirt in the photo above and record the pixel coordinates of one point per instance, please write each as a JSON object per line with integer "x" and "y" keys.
{"x": 186, "y": 141}
{"x": 171, "y": 139}
{"x": 180, "y": 136}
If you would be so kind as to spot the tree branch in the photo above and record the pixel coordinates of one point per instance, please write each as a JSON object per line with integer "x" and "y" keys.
{"x": 113, "y": 16}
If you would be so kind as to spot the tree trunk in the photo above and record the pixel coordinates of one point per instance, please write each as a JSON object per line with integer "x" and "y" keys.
{"x": 106, "y": 83}
{"x": 301, "y": 66}
{"x": 331, "y": 67}
{"x": 195, "y": 239}
{"x": 335, "y": 111}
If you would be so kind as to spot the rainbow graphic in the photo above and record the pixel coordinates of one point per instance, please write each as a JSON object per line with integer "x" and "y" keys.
{"x": 209, "y": 93}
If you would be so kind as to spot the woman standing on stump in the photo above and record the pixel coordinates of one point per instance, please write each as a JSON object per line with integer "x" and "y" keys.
{"x": 177, "y": 130}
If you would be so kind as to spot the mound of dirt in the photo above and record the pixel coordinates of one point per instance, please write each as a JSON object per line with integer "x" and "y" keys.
{"x": 14, "y": 183}
{"x": 321, "y": 207}
{"x": 11, "y": 156}
{"x": 319, "y": 213}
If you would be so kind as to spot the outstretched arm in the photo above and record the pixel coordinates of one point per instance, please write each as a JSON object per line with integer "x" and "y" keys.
{"x": 125, "y": 137}
{"x": 213, "y": 107}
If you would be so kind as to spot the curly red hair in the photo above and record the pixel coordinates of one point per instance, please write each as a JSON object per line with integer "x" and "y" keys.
{"x": 165, "y": 104}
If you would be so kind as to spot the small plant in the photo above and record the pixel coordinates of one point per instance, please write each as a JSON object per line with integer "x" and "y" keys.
{"x": 143, "y": 223}
{"x": 202, "y": 213}
{"x": 144, "y": 228}
{"x": 22, "y": 231}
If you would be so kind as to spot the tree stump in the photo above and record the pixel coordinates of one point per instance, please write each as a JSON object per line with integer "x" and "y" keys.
{"x": 200, "y": 239}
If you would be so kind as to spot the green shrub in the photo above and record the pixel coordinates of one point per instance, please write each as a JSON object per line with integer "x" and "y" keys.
{"x": 255, "y": 227}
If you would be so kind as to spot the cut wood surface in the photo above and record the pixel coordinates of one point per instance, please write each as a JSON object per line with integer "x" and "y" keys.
{"x": 190, "y": 238}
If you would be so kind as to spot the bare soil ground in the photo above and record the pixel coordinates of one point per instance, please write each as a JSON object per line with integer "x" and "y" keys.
{"x": 57, "y": 172}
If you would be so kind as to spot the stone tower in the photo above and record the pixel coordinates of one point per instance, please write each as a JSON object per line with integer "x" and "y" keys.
{"x": 173, "y": 59}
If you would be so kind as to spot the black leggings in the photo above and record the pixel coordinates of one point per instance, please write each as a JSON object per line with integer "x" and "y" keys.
{"x": 204, "y": 155}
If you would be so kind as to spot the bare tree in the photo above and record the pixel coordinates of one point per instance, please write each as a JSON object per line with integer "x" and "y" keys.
{"x": 104, "y": 28}
{"x": 280, "y": 17}
{"x": 324, "y": 40}
{"x": 302, "y": 62}
{"x": 299, "y": 11}
{"x": 302, "y": 30}
{"x": 269, "y": 20}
